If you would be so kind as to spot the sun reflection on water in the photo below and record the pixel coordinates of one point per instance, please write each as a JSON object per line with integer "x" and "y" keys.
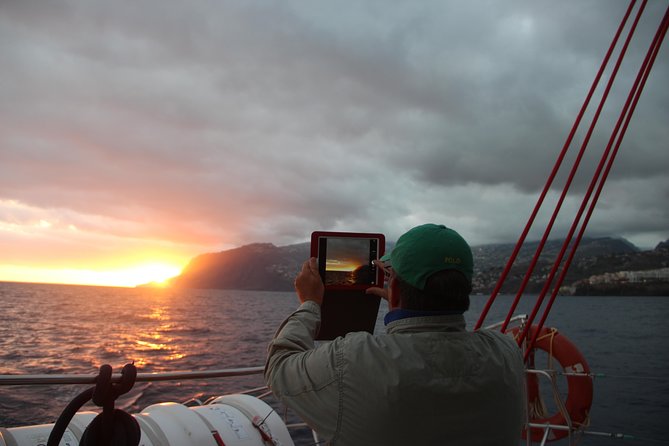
{"x": 155, "y": 345}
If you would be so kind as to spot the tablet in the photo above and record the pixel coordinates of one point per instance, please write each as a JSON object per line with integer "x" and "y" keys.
{"x": 345, "y": 263}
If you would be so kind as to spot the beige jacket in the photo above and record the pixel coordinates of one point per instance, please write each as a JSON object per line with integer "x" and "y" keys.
{"x": 426, "y": 382}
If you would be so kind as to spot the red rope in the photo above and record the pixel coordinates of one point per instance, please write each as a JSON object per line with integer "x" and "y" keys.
{"x": 556, "y": 265}
{"x": 617, "y": 137}
{"x": 549, "y": 181}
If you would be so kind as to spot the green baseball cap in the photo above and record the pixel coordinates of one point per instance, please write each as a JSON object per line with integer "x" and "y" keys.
{"x": 427, "y": 249}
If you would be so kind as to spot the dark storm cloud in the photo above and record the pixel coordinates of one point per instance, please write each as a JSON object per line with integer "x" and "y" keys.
{"x": 219, "y": 123}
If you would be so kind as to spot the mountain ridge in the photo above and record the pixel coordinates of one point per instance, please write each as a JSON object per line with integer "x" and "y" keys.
{"x": 267, "y": 267}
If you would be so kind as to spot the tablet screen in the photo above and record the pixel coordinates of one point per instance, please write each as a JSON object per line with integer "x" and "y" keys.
{"x": 347, "y": 261}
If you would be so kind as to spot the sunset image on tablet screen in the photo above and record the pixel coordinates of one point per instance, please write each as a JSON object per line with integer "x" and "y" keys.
{"x": 348, "y": 262}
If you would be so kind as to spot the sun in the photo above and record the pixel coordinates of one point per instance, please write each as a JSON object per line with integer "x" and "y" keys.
{"x": 135, "y": 273}
{"x": 154, "y": 273}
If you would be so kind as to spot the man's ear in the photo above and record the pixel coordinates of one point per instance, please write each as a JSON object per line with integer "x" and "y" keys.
{"x": 394, "y": 298}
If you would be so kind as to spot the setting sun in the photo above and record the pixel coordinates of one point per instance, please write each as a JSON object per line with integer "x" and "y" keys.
{"x": 157, "y": 273}
{"x": 153, "y": 272}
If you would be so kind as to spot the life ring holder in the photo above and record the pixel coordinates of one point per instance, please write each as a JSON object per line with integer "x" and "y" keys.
{"x": 579, "y": 383}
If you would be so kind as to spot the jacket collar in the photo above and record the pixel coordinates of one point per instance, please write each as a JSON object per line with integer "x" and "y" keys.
{"x": 400, "y": 320}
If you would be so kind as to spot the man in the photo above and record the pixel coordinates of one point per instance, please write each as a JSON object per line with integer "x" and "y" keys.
{"x": 427, "y": 381}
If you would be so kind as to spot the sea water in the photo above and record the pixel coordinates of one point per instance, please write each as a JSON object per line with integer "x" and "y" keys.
{"x": 74, "y": 329}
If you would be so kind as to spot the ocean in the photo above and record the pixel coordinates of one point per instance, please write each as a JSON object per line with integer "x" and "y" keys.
{"x": 74, "y": 329}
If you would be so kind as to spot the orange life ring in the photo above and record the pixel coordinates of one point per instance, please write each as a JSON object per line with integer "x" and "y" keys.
{"x": 579, "y": 387}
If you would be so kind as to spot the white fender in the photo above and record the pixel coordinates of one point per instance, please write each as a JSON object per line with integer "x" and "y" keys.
{"x": 261, "y": 418}
{"x": 39, "y": 435}
{"x": 231, "y": 420}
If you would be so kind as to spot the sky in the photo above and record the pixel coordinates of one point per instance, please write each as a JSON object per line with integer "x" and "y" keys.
{"x": 136, "y": 136}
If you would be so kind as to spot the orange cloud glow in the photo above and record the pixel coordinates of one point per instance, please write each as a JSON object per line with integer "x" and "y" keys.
{"x": 45, "y": 246}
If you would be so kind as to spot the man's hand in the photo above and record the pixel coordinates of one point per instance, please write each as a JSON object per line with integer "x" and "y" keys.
{"x": 308, "y": 283}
